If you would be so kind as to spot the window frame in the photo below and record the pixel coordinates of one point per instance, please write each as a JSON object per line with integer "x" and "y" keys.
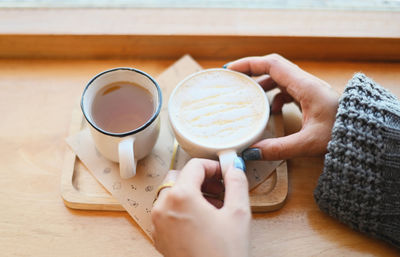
{"x": 204, "y": 33}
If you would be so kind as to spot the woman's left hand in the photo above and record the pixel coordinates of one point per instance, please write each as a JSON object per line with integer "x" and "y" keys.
{"x": 186, "y": 223}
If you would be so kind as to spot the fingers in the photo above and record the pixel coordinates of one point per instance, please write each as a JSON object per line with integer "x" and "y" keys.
{"x": 272, "y": 64}
{"x": 252, "y": 66}
{"x": 285, "y": 73}
{"x": 236, "y": 190}
{"x": 279, "y": 100}
{"x": 213, "y": 191}
{"x": 195, "y": 172}
{"x": 266, "y": 82}
{"x": 287, "y": 147}
{"x": 213, "y": 186}
{"x": 197, "y": 177}
{"x": 169, "y": 181}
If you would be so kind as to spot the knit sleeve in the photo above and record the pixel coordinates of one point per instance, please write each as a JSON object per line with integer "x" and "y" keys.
{"x": 360, "y": 184}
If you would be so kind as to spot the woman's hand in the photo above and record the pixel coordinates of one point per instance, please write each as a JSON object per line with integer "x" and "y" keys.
{"x": 317, "y": 100}
{"x": 188, "y": 224}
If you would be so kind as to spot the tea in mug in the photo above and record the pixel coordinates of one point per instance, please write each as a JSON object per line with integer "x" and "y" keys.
{"x": 122, "y": 106}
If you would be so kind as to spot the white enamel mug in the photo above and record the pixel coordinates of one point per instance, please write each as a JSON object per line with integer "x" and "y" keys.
{"x": 209, "y": 98}
{"x": 130, "y": 146}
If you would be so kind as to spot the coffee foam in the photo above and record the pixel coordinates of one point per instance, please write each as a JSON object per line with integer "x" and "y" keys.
{"x": 214, "y": 109}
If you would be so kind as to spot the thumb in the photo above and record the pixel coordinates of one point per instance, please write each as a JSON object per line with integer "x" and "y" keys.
{"x": 280, "y": 148}
{"x": 236, "y": 189}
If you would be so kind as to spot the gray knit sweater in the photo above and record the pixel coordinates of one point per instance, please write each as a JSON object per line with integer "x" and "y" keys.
{"x": 360, "y": 184}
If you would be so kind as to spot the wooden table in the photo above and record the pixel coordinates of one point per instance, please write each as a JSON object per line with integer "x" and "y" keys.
{"x": 36, "y": 101}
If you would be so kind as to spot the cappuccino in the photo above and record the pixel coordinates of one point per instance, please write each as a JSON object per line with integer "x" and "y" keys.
{"x": 218, "y": 108}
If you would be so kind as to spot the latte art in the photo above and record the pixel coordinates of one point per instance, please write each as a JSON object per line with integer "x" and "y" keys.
{"x": 215, "y": 110}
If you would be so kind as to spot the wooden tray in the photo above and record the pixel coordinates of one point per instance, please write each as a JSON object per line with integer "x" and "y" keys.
{"x": 80, "y": 190}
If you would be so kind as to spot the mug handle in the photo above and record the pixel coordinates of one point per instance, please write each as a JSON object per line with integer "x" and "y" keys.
{"x": 226, "y": 159}
{"x": 127, "y": 160}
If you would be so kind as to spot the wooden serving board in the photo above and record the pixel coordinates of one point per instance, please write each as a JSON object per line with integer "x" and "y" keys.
{"x": 80, "y": 190}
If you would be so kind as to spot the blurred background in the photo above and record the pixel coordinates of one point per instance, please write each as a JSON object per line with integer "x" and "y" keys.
{"x": 381, "y": 5}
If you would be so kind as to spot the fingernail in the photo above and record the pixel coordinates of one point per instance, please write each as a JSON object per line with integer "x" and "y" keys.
{"x": 252, "y": 154}
{"x": 226, "y": 65}
{"x": 238, "y": 163}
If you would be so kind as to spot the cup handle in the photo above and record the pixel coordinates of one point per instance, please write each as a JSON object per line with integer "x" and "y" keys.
{"x": 127, "y": 160}
{"x": 226, "y": 159}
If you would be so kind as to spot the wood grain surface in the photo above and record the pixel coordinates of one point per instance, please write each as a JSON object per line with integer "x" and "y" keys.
{"x": 200, "y": 47}
{"x": 169, "y": 33}
{"x": 36, "y": 101}
{"x": 212, "y": 22}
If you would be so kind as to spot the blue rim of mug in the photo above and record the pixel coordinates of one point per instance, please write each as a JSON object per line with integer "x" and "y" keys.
{"x": 131, "y": 132}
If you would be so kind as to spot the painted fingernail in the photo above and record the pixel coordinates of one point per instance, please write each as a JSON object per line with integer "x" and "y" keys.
{"x": 252, "y": 154}
{"x": 226, "y": 65}
{"x": 238, "y": 163}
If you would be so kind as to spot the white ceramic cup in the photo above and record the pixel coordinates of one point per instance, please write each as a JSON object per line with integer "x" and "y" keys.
{"x": 130, "y": 146}
{"x": 217, "y": 113}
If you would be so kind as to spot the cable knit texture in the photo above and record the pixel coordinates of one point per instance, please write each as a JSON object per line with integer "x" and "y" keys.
{"x": 360, "y": 184}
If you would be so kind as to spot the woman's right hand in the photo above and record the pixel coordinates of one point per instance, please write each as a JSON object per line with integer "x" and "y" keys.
{"x": 186, "y": 223}
{"x": 317, "y": 100}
